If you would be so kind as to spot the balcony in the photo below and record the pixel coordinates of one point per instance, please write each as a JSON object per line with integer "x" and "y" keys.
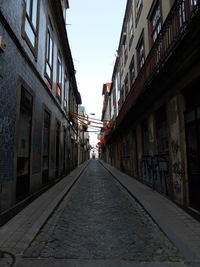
{"x": 178, "y": 24}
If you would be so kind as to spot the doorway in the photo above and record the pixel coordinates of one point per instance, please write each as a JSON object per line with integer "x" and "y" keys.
{"x": 192, "y": 126}
{"x": 46, "y": 139}
{"x": 57, "y": 148}
{"x": 24, "y": 146}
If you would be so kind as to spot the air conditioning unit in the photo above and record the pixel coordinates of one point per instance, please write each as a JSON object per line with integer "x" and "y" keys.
{"x": 2, "y": 44}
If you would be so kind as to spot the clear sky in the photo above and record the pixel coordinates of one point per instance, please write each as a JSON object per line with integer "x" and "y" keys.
{"x": 93, "y": 32}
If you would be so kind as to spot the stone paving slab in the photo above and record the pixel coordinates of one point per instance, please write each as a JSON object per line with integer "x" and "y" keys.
{"x": 182, "y": 229}
{"x": 16, "y": 234}
{"x": 99, "y": 220}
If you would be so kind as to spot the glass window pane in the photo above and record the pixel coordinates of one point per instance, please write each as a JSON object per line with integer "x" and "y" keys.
{"x": 48, "y": 70}
{"x": 50, "y": 51}
{"x": 48, "y": 45}
{"x": 29, "y": 32}
{"x": 34, "y": 13}
{"x": 28, "y": 7}
{"x": 66, "y": 90}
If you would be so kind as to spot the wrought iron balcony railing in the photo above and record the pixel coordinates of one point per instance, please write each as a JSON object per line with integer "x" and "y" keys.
{"x": 173, "y": 30}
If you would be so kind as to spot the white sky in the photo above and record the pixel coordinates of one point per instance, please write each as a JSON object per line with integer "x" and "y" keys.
{"x": 93, "y": 34}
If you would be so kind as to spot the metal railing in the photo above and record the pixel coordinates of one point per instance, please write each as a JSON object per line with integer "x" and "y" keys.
{"x": 173, "y": 30}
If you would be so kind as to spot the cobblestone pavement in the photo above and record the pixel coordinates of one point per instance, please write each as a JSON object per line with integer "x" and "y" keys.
{"x": 99, "y": 220}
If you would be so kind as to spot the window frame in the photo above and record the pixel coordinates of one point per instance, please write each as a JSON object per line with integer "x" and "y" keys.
{"x": 132, "y": 74}
{"x": 193, "y": 3}
{"x": 156, "y": 4}
{"x": 49, "y": 53}
{"x": 66, "y": 92}
{"x": 125, "y": 50}
{"x": 140, "y": 59}
{"x": 27, "y": 18}
{"x": 130, "y": 27}
{"x": 59, "y": 76}
{"x": 138, "y": 10}
{"x": 126, "y": 87}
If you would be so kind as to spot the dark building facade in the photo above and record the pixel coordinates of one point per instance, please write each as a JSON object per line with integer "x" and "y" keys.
{"x": 155, "y": 99}
{"x": 37, "y": 92}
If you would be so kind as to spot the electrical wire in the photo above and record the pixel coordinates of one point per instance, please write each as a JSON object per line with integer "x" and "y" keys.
{"x": 90, "y": 118}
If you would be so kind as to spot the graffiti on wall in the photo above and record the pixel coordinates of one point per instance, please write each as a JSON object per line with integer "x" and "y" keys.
{"x": 155, "y": 172}
{"x": 177, "y": 168}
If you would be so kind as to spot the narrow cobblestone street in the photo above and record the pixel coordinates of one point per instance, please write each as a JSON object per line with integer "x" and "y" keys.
{"x": 99, "y": 220}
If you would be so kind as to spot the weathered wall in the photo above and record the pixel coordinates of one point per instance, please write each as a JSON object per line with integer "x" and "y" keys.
{"x": 21, "y": 68}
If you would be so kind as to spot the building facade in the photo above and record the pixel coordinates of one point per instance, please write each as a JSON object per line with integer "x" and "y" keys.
{"x": 84, "y": 138}
{"x": 106, "y": 116}
{"x": 37, "y": 93}
{"x": 155, "y": 99}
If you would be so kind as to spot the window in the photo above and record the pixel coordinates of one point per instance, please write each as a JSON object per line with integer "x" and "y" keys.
{"x": 64, "y": 6}
{"x": 121, "y": 63}
{"x": 59, "y": 75}
{"x": 49, "y": 51}
{"x": 140, "y": 53}
{"x": 193, "y": 3}
{"x": 112, "y": 103}
{"x": 126, "y": 87}
{"x": 182, "y": 15}
{"x": 121, "y": 100}
{"x": 132, "y": 71}
{"x": 29, "y": 30}
{"x": 155, "y": 22}
{"x": 138, "y": 5}
{"x": 130, "y": 29}
{"x": 117, "y": 86}
{"x": 66, "y": 92}
{"x": 125, "y": 52}
{"x": 59, "y": 70}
